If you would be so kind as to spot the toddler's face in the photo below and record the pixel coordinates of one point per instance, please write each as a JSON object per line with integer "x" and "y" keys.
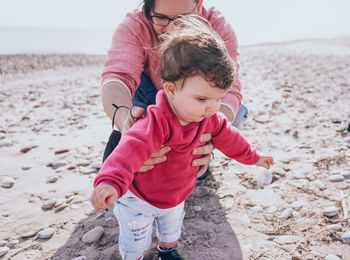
{"x": 195, "y": 100}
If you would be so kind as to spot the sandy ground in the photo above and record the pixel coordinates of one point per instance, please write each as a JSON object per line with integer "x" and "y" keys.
{"x": 53, "y": 132}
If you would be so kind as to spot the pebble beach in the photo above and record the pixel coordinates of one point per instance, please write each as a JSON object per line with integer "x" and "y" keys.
{"x": 53, "y": 131}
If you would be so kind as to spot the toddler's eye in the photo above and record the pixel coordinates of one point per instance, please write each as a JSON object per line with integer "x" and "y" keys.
{"x": 201, "y": 99}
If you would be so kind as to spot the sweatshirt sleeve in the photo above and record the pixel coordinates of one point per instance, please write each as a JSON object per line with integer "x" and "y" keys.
{"x": 229, "y": 141}
{"x": 136, "y": 146}
{"x": 224, "y": 29}
{"x": 126, "y": 57}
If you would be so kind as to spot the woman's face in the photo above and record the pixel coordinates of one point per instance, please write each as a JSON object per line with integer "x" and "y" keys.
{"x": 164, "y": 9}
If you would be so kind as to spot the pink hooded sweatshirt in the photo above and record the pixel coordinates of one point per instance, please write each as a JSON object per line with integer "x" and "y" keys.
{"x": 133, "y": 52}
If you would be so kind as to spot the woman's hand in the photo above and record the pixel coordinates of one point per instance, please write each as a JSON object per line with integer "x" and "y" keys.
{"x": 205, "y": 151}
{"x": 130, "y": 117}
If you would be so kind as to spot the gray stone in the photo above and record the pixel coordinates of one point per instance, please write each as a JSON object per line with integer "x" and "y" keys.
{"x": 96, "y": 165}
{"x": 272, "y": 209}
{"x": 330, "y": 211}
{"x": 287, "y": 213}
{"x": 29, "y": 234}
{"x": 3, "y": 243}
{"x": 297, "y": 205}
{"x": 46, "y": 233}
{"x": 2, "y": 136}
{"x": 4, "y": 143}
{"x": 310, "y": 177}
{"x": 346, "y": 237}
{"x": 335, "y": 227}
{"x": 86, "y": 170}
{"x": 336, "y": 178}
{"x": 12, "y": 243}
{"x": 279, "y": 171}
{"x": 80, "y": 258}
{"x": 345, "y": 173}
{"x": 48, "y": 204}
{"x": 287, "y": 239}
{"x": 201, "y": 191}
{"x": 58, "y": 164}
{"x": 7, "y": 182}
{"x": 332, "y": 257}
{"x": 263, "y": 177}
{"x": 4, "y": 250}
{"x": 93, "y": 235}
{"x": 257, "y": 209}
{"x": 51, "y": 179}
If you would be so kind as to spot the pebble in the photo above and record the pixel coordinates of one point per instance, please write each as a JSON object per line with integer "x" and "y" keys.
{"x": 48, "y": 204}
{"x": 197, "y": 208}
{"x": 257, "y": 209}
{"x": 74, "y": 206}
{"x": 83, "y": 163}
{"x": 279, "y": 171}
{"x": 80, "y": 258}
{"x": 2, "y": 136}
{"x": 297, "y": 205}
{"x": 46, "y": 233}
{"x": 58, "y": 164}
{"x": 200, "y": 191}
{"x": 96, "y": 165}
{"x": 4, "y": 250}
{"x": 345, "y": 173}
{"x": 272, "y": 209}
{"x": 83, "y": 150}
{"x": 321, "y": 186}
{"x": 310, "y": 177}
{"x": 70, "y": 194}
{"x": 93, "y": 235}
{"x": 330, "y": 211}
{"x": 300, "y": 175}
{"x": 332, "y": 257}
{"x": 287, "y": 213}
{"x": 51, "y": 179}
{"x": 29, "y": 234}
{"x": 336, "y": 178}
{"x": 12, "y": 243}
{"x": 287, "y": 239}
{"x": 3, "y": 243}
{"x": 26, "y": 168}
{"x": 4, "y": 143}
{"x": 263, "y": 177}
{"x": 86, "y": 170}
{"x": 61, "y": 207}
{"x": 346, "y": 237}
{"x": 335, "y": 227}
{"x": 61, "y": 151}
{"x": 7, "y": 182}
{"x": 59, "y": 202}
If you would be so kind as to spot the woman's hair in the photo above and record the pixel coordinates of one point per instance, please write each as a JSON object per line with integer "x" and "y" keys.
{"x": 148, "y": 6}
{"x": 194, "y": 48}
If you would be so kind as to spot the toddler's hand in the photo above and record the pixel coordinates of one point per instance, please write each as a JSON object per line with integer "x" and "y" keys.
{"x": 265, "y": 161}
{"x": 103, "y": 196}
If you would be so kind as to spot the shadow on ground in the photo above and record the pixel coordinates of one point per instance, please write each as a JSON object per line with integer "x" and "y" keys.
{"x": 206, "y": 234}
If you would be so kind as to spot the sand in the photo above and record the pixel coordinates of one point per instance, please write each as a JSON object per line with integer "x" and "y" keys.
{"x": 53, "y": 131}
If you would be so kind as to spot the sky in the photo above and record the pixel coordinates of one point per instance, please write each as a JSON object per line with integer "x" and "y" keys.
{"x": 254, "y": 21}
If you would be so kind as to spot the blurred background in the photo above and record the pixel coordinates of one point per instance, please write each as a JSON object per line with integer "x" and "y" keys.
{"x": 86, "y": 26}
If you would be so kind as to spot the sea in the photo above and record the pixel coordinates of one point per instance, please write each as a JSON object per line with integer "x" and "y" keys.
{"x": 254, "y": 21}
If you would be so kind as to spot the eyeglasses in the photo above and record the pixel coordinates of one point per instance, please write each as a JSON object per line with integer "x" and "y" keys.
{"x": 162, "y": 20}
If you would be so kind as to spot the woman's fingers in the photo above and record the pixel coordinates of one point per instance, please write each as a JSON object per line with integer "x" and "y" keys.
{"x": 204, "y": 160}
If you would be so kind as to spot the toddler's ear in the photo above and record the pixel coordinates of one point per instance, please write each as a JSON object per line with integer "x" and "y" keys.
{"x": 169, "y": 88}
